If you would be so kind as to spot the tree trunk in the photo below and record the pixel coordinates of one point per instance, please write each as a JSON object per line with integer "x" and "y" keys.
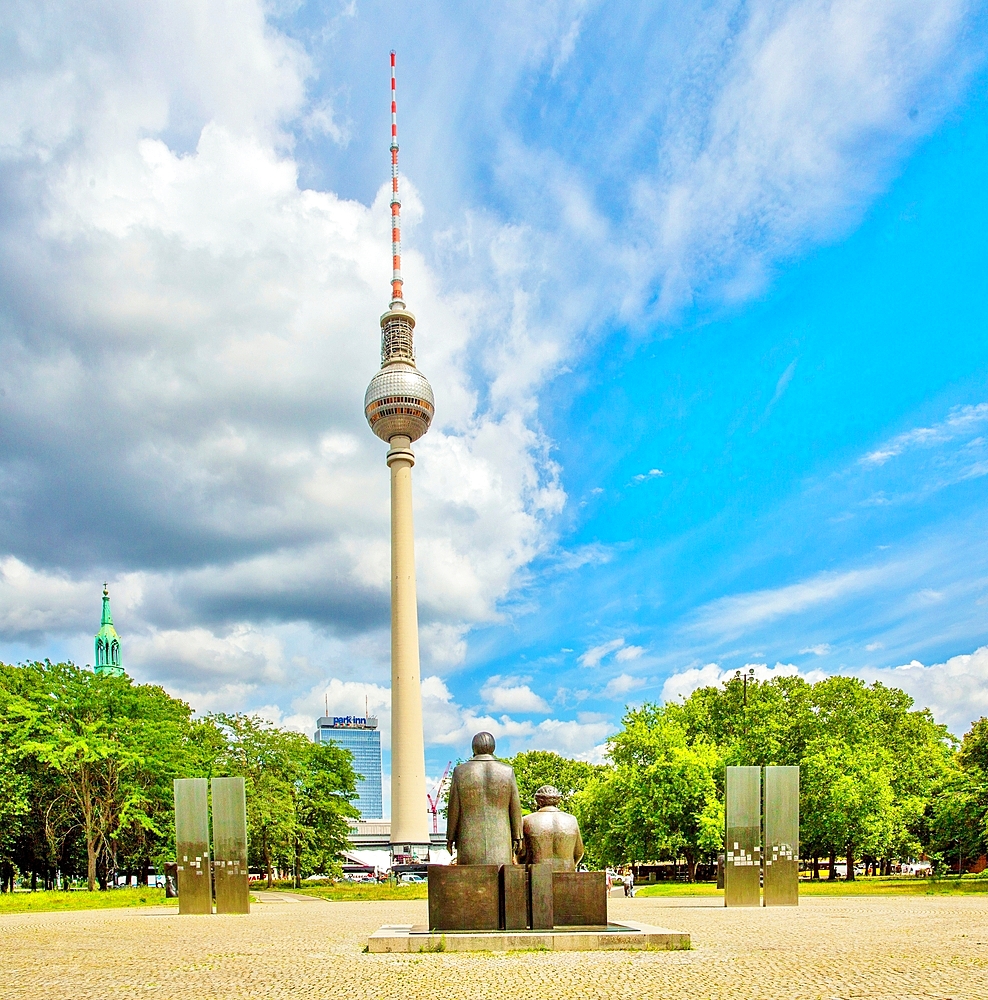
{"x": 89, "y": 829}
{"x": 850, "y": 862}
{"x": 816, "y": 867}
{"x": 90, "y": 859}
{"x": 265, "y": 850}
{"x": 833, "y": 864}
{"x": 690, "y": 866}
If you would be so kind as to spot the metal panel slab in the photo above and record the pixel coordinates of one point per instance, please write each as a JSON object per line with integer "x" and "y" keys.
{"x": 742, "y": 849}
{"x": 540, "y": 880}
{"x": 195, "y": 894}
{"x": 463, "y": 897}
{"x": 781, "y": 836}
{"x": 230, "y": 845}
{"x": 579, "y": 899}
{"x": 514, "y": 897}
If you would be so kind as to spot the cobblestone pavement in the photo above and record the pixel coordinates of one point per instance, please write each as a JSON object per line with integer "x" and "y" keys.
{"x": 880, "y": 949}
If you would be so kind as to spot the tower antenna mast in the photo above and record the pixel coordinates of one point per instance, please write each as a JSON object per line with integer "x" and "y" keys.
{"x": 396, "y": 282}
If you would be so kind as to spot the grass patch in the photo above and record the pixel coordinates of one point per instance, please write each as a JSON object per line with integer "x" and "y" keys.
{"x": 362, "y": 891}
{"x": 861, "y": 886}
{"x": 81, "y": 899}
{"x": 677, "y": 889}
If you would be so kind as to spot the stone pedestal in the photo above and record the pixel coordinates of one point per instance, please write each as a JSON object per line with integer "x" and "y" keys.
{"x": 579, "y": 899}
{"x": 464, "y": 897}
{"x": 628, "y": 935}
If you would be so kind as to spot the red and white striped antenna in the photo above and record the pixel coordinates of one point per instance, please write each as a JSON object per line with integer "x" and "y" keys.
{"x": 396, "y": 281}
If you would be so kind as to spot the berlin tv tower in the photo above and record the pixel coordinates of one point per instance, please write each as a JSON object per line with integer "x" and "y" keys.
{"x": 399, "y": 406}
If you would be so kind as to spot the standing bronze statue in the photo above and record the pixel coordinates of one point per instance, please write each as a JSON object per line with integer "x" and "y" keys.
{"x": 551, "y": 836}
{"x": 483, "y": 810}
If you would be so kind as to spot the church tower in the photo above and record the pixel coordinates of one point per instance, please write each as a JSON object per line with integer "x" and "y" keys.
{"x": 108, "y": 642}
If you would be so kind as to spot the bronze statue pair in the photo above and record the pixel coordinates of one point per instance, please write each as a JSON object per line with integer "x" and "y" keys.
{"x": 485, "y": 824}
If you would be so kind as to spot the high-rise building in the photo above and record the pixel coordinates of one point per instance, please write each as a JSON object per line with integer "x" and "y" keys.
{"x": 107, "y": 642}
{"x": 399, "y": 406}
{"x": 362, "y": 738}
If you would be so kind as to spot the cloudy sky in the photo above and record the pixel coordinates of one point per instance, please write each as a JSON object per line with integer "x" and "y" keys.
{"x": 701, "y": 292}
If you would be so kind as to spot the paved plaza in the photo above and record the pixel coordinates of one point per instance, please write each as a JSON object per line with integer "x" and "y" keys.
{"x": 929, "y": 947}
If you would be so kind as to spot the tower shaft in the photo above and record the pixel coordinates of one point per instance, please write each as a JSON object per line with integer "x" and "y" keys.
{"x": 409, "y": 822}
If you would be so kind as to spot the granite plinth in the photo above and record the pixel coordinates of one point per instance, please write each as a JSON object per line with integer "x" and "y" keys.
{"x": 628, "y": 935}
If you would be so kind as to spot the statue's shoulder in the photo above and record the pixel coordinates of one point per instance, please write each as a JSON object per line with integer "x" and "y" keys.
{"x": 568, "y": 820}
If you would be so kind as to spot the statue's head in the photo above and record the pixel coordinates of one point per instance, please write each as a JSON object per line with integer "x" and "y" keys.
{"x": 483, "y": 743}
{"x": 548, "y": 795}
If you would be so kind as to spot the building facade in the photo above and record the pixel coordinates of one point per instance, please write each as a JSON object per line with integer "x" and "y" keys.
{"x": 363, "y": 739}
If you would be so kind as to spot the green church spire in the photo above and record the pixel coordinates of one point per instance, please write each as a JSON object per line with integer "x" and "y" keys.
{"x": 108, "y": 642}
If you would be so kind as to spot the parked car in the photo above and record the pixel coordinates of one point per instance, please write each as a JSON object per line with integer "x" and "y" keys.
{"x": 414, "y": 877}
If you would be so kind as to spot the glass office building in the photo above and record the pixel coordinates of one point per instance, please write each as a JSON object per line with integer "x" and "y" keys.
{"x": 363, "y": 739}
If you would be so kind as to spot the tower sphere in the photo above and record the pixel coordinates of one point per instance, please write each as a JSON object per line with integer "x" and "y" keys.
{"x": 399, "y": 400}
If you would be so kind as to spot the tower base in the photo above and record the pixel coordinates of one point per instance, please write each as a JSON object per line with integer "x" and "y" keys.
{"x": 410, "y": 854}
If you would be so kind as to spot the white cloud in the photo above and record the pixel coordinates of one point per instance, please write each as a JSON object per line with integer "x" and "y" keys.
{"x": 732, "y": 615}
{"x": 962, "y": 420}
{"x": 580, "y": 740}
{"x": 199, "y": 659}
{"x": 642, "y": 476}
{"x": 593, "y": 656}
{"x": 801, "y": 128}
{"x": 628, "y": 653}
{"x": 956, "y": 691}
{"x": 820, "y": 649}
{"x": 684, "y": 683}
{"x": 622, "y": 684}
{"x": 500, "y": 695}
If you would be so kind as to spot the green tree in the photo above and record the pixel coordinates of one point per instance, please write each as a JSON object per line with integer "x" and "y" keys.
{"x": 323, "y": 792}
{"x": 534, "y": 768}
{"x": 102, "y": 751}
{"x": 298, "y": 793}
{"x": 958, "y": 813}
{"x": 658, "y": 800}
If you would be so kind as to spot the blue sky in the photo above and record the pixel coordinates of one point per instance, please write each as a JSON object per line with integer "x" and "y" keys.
{"x": 701, "y": 292}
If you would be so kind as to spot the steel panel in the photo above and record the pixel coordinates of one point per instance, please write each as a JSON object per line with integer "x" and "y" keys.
{"x": 195, "y": 894}
{"x": 781, "y": 836}
{"x": 230, "y": 845}
{"x": 742, "y": 849}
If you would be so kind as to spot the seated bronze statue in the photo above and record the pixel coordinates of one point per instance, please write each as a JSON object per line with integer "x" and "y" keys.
{"x": 550, "y": 835}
